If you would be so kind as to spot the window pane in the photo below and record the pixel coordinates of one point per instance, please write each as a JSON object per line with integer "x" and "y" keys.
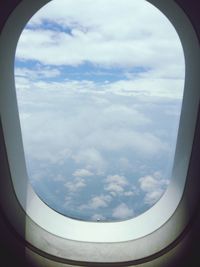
{"x": 99, "y": 87}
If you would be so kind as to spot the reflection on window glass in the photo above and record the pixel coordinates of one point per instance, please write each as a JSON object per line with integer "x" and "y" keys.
{"x": 99, "y": 87}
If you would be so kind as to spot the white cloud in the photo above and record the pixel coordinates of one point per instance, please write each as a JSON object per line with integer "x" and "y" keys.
{"x": 37, "y": 73}
{"x": 116, "y": 139}
{"x": 58, "y": 114}
{"x": 153, "y": 186}
{"x": 116, "y": 113}
{"x": 82, "y": 173}
{"x": 149, "y": 86}
{"x": 122, "y": 211}
{"x": 100, "y": 201}
{"x": 118, "y": 179}
{"x": 75, "y": 185}
{"x": 95, "y": 38}
{"x": 129, "y": 193}
{"x": 123, "y": 39}
{"x": 70, "y": 126}
{"x": 90, "y": 157}
{"x": 153, "y": 196}
{"x": 118, "y": 185}
{"x": 145, "y": 85}
{"x": 22, "y": 83}
{"x": 96, "y": 202}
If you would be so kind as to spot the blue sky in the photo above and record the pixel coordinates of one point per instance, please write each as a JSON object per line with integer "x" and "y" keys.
{"x": 99, "y": 87}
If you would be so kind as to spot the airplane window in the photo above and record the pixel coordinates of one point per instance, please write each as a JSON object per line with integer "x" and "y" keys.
{"x": 99, "y": 87}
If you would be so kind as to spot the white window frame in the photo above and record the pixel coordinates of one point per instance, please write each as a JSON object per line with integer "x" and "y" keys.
{"x": 66, "y": 238}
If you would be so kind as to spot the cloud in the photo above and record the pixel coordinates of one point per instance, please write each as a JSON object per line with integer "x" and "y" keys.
{"x": 119, "y": 113}
{"x": 118, "y": 185}
{"x": 59, "y": 178}
{"x": 92, "y": 97}
{"x": 85, "y": 37}
{"x": 153, "y": 196}
{"x": 37, "y": 73}
{"x": 71, "y": 126}
{"x": 59, "y": 114}
{"x": 116, "y": 138}
{"x": 149, "y": 86}
{"x": 78, "y": 34}
{"x": 67, "y": 202}
{"x": 100, "y": 201}
{"x": 96, "y": 202}
{"x": 153, "y": 186}
{"x": 115, "y": 184}
{"x": 129, "y": 193}
{"x": 22, "y": 83}
{"x": 122, "y": 211}
{"x": 82, "y": 173}
{"x": 118, "y": 179}
{"x": 91, "y": 158}
{"x": 73, "y": 37}
{"x": 143, "y": 86}
{"x": 76, "y": 185}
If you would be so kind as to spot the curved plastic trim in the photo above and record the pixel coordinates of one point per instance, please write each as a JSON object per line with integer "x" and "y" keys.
{"x": 52, "y": 232}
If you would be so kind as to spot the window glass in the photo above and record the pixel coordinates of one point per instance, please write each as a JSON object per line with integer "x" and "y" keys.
{"x": 99, "y": 87}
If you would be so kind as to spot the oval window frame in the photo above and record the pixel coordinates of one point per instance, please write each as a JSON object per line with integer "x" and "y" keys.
{"x": 100, "y": 237}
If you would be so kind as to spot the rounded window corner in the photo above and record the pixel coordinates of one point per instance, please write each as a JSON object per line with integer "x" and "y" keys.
{"x": 131, "y": 235}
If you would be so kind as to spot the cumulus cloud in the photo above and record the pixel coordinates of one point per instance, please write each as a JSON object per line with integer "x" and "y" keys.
{"x": 118, "y": 179}
{"x": 153, "y": 186}
{"x": 100, "y": 201}
{"x": 115, "y": 184}
{"x": 82, "y": 173}
{"x": 122, "y": 211}
{"x": 118, "y": 185}
{"x": 75, "y": 185}
{"x": 90, "y": 157}
{"x": 96, "y": 202}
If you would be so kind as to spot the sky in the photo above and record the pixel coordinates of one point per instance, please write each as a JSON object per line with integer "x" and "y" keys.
{"x": 99, "y": 88}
